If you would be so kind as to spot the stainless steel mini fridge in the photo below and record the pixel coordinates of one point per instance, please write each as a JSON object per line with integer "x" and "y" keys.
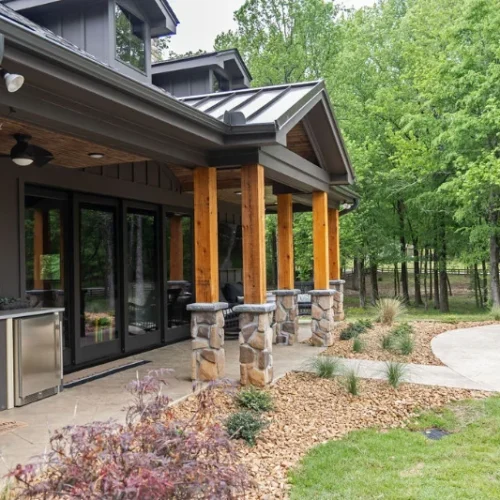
{"x": 38, "y": 358}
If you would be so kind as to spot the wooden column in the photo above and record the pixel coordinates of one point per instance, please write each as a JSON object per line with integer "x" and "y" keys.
{"x": 320, "y": 241}
{"x": 206, "y": 251}
{"x": 176, "y": 249}
{"x": 38, "y": 244}
{"x": 334, "y": 243}
{"x": 286, "y": 268}
{"x": 254, "y": 237}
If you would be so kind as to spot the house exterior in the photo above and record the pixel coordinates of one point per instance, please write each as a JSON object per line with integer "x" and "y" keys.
{"x": 150, "y": 189}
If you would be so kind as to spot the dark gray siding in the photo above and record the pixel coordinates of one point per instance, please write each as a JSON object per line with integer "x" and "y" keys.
{"x": 186, "y": 83}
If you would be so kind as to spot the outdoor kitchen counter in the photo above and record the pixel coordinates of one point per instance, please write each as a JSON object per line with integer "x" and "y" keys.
{"x": 9, "y": 368}
{"x": 34, "y": 311}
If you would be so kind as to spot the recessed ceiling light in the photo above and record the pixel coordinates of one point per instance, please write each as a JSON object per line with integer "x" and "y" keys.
{"x": 238, "y": 193}
{"x": 96, "y": 156}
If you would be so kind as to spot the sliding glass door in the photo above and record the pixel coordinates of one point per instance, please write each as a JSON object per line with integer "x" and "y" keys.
{"x": 142, "y": 273}
{"x": 97, "y": 280}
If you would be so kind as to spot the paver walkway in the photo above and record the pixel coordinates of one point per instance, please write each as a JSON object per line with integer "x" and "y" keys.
{"x": 472, "y": 352}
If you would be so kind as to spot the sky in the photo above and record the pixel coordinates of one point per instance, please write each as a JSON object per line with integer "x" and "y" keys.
{"x": 202, "y": 20}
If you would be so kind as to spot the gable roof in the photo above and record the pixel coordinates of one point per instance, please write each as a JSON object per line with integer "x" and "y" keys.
{"x": 283, "y": 107}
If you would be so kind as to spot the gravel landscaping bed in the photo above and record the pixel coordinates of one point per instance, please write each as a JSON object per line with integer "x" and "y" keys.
{"x": 309, "y": 410}
{"x": 422, "y": 353}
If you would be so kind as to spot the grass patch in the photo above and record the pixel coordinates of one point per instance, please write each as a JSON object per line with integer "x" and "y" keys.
{"x": 325, "y": 366}
{"x": 352, "y": 382}
{"x": 400, "y": 464}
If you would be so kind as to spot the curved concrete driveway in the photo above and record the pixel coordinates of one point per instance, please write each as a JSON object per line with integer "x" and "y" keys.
{"x": 472, "y": 352}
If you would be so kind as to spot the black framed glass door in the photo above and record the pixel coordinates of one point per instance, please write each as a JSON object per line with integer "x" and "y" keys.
{"x": 179, "y": 264}
{"x": 97, "y": 283}
{"x": 46, "y": 255}
{"x": 143, "y": 297}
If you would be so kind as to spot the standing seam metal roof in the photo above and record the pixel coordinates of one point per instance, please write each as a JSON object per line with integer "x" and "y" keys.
{"x": 263, "y": 105}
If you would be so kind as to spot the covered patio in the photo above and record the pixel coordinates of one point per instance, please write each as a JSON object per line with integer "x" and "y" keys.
{"x": 103, "y": 399}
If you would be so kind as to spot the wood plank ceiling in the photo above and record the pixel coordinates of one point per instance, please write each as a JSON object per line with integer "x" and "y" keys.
{"x": 68, "y": 151}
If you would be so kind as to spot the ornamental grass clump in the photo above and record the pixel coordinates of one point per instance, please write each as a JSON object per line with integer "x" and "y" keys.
{"x": 254, "y": 399}
{"x": 358, "y": 345}
{"x": 352, "y": 382}
{"x": 153, "y": 455}
{"x": 325, "y": 366}
{"x": 245, "y": 425}
{"x": 395, "y": 373}
{"x": 389, "y": 310}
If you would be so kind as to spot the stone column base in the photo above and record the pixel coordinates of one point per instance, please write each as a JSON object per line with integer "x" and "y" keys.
{"x": 338, "y": 299}
{"x": 322, "y": 317}
{"x": 256, "y": 343}
{"x": 207, "y": 331}
{"x": 286, "y": 316}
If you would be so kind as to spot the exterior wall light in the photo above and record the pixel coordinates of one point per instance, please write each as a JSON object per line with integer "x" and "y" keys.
{"x": 12, "y": 81}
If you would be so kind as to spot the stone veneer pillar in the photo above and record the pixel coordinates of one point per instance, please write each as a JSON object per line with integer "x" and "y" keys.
{"x": 207, "y": 331}
{"x": 322, "y": 317}
{"x": 338, "y": 299}
{"x": 256, "y": 343}
{"x": 286, "y": 316}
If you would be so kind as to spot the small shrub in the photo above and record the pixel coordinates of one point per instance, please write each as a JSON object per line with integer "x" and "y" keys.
{"x": 495, "y": 312}
{"x": 387, "y": 342}
{"x": 254, "y": 399}
{"x": 355, "y": 329}
{"x": 396, "y": 373}
{"x": 244, "y": 425}
{"x": 325, "y": 366}
{"x": 352, "y": 382}
{"x": 104, "y": 321}
{"x": 389, "y": 310}
{"x": 402, "y": 330}
{"x": 366, "y": 323}
{"x": 358, "y": 345}
{"x": 406, "y": 344}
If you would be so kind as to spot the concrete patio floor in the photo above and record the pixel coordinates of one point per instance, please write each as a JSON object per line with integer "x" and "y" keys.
{"x": 105, "y": 398}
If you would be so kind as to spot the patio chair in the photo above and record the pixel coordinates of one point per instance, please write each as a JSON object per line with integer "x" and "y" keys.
{"x": 143, "y": 318}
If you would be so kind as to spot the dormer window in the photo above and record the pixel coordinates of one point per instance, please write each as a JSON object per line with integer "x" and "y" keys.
{"x": 130, "y": 38}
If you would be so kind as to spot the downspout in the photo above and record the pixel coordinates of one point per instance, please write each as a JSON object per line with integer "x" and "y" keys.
{"x": 353, "y": 207}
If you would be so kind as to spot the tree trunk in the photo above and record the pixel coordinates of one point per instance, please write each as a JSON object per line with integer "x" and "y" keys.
{"x": 485, "y": 284}
{"x": 443, "y": 275}
{"x": 431, "y": 275}
{"x": 355, "y": 274}
{"x": 426, "y": 260}
{"x": 402, "y": 242}
{"x": 436, "y": 282}
{"x": 374, "y": 281}
{"x": 397, "y": 288}
{"x": 475, "y": 282}
{"x": 494, "y": 279}
{"x": 416, "y": 270}
{"x": 362, "y": 282}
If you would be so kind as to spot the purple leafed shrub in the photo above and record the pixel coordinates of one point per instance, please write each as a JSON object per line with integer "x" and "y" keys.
{"x": 152, "y": 456}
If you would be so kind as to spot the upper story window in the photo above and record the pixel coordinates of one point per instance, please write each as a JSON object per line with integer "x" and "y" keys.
{"x": 130, "y": 38}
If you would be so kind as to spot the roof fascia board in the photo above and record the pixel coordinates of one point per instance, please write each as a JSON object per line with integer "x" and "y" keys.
{"x": 185, "y": 65}
{"x": 290, "y": 169}
{"x": 18, "y": 5}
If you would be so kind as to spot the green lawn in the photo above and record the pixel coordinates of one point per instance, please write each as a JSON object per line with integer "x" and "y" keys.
{"x": 461, "y": 309}
{"x": 404, "y": 464}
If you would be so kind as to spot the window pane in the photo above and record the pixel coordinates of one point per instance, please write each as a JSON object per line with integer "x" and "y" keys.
{"x": 44, "y": 258}
{"x": 179, "y": 269}
{"x": 143, "y": 309}
{"x": 130, "y": 44}
{"x": 98, "y": 275}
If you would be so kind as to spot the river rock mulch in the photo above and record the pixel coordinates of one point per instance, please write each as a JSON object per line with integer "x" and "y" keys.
{"x": 424, "y": 332}
{"x": 309, "y": 410}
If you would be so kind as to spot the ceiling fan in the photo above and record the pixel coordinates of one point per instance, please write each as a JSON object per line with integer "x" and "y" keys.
{"x": 24, "y": 153}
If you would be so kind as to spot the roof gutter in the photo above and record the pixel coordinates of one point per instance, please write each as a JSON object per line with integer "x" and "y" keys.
{"x": 353, "y": 207}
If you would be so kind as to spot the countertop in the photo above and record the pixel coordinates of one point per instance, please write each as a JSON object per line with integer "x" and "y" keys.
{"x": 21, "y": 313}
